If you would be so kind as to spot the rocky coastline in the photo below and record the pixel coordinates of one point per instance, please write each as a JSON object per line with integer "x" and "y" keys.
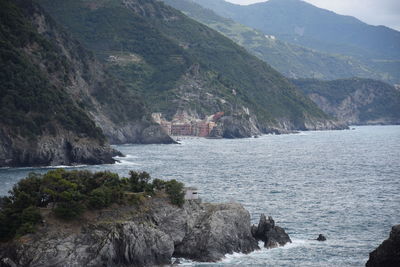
{"x": 146, "y": 235}
{"x": 388, "y": 253}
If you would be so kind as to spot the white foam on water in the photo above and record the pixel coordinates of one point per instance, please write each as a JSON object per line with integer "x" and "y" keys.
{"x": 127, "y": 156}
{"x": 235, "y": 257}
{"x": 63, "y": 167}
{"x": 126, "y": 162}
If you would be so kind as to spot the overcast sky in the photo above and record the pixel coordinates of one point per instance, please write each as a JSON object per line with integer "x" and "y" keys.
{"x": 375, "y": 12}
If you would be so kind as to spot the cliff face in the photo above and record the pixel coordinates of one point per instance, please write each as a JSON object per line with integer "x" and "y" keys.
{"x": 58, "y": 104}
{"x": 127, "y": 236}
{"x": 355, "y": 101}
{"x": 388, "y": 253}
{"x": 64, "y": 148}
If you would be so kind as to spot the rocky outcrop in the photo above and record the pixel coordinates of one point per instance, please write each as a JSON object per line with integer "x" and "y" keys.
{"x": 138, "y": 132}
{"x": 145, "y": 235}
{"x": 388, "y": 253}
{"x": 235, "y": 127}
{"x": 272, "y": 235}
{"x": 62, "y": 149}
{"x": 321, "y": 237}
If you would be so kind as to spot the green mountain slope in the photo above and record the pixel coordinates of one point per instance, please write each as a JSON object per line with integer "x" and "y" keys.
{"x": 355, "y": 101}
{"x": 182, "y": 66}
{"x": 303, "y": 24}
{"x": 291, "y": 60}
{"x": 58, "y": 105}
{"x": 33, "y": 111}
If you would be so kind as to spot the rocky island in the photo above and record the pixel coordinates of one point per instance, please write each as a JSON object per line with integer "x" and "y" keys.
{"x": 116, "y": 225}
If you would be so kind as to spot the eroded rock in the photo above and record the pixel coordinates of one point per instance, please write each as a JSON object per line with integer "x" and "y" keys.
{"x": 269, "y": 233}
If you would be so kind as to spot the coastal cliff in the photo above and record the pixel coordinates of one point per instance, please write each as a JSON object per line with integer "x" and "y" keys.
{"x": 80, "y": 218}
{"x": 58, "y": 104}
{"x": 388, "y": 253}
{"x": 125, "y": 235}
{"x": 354, "y": 101}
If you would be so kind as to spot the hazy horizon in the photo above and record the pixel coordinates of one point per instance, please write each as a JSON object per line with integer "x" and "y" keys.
{"x": 382, "y": 12}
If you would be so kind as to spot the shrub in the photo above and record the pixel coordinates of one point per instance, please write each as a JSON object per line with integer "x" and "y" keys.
{"x": 100, "y": 198}
{"x": 139, "y": 181}
{"x": 31, "y": 215}
{"x": 159, "y": 184}
{"x": 26, "y": 228}
{"x": 68, "y": 210}
{"x": 174, "y": 189}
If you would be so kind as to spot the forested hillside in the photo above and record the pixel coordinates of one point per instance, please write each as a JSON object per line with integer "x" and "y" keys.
{"x": 178, "y": 65}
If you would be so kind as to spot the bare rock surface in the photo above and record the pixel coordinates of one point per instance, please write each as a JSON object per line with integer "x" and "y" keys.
{"x": 272, "y": 235}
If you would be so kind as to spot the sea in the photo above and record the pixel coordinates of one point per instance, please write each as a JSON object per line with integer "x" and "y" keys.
{"x": 342, "y": 184}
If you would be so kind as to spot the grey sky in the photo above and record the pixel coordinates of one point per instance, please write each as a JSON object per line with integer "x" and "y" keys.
{"x": 374, "y": 12}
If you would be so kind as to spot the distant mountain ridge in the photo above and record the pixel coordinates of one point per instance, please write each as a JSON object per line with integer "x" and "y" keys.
{"x": 181, "y": 66}
{"x": 300, "y": 23}
{"x": 355, "y": 101}
{"x": 291, "y": 60}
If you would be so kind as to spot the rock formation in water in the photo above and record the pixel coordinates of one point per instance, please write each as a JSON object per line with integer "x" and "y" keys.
{"x": 272, "y": 235}
{"x": 388, "y": 253}
{"x": 148, "y": 234}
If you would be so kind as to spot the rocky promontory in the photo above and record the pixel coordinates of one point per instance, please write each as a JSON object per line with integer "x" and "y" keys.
{"x": 149, "y": 234}
{"x": 65, "y": 148}
{"x": 388, "y": 253}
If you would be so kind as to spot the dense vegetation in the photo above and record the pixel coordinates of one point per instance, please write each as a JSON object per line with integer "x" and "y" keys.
{"x": 300, "y": 23}
{"x": 69, "y": 193}
{"x": 29, "y": 103}
{"x": 165, "y": 45}
{"x": 373, "y": 100}
{"x": 291, "y": 60}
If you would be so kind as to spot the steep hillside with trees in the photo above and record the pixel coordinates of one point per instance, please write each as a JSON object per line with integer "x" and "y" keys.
{"x": 355, "y": 101}
{"x": 179, "y": 65}
{"x": 291, "y": 60}
{"x": 58, "y": 104}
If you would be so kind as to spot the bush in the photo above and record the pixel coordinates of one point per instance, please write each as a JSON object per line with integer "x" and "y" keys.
{"x": 68, "y": 210}
{"x": 6, "y": 227}
{"x": 139, "y": 182}
{"x": 26, "y": 228}
{"x": 100, "y": 198}
{"x": 159, "y": 184}
{"x": 174, "y": 189}
{"x": 31, "y": 215}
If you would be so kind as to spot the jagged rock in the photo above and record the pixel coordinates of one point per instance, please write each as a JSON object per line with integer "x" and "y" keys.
{"x": 388, "y": 253}
{"x": 235, "y": 127}
{"x": 321, "y": 237}
{"x": 143, "y": 236}
{"x": 269, "y": 233}
{"x": 216, "y": 231}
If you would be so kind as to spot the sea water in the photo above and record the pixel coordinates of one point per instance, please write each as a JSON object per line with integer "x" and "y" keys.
{"x": 343, "y": 184}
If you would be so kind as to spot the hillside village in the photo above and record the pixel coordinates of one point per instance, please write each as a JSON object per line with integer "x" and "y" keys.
{"x": 183, "y": 124}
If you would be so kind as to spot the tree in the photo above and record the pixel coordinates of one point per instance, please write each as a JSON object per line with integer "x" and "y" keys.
{"x": 175, "y": 191}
